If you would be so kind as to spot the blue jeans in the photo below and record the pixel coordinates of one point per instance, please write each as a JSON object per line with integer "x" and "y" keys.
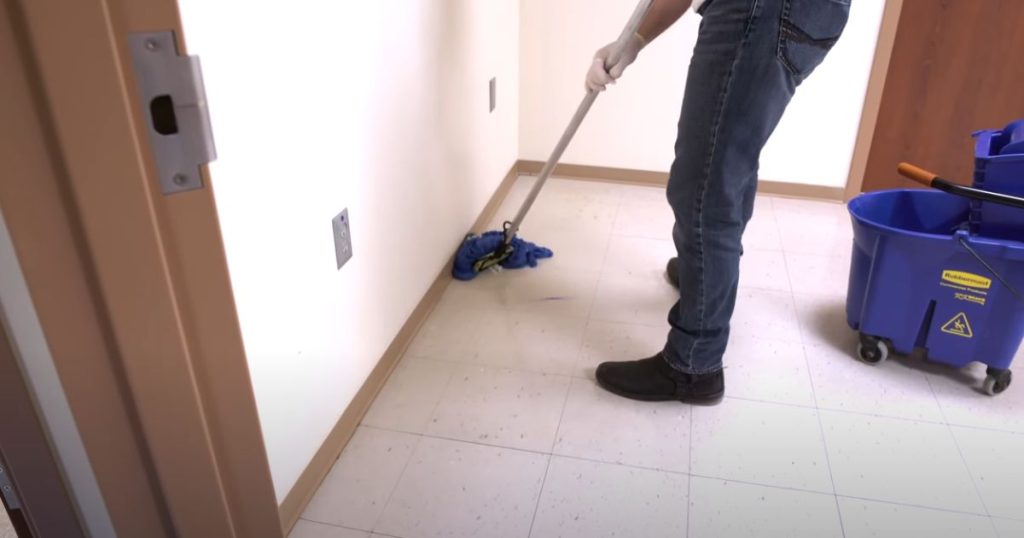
{"x": 749, "y": 59}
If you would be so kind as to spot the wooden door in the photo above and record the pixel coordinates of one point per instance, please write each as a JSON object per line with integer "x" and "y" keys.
{"x": 955, "y": 68}
{"x": 27, "y": 461}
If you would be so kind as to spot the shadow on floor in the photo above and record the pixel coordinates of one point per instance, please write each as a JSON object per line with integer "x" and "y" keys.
{"x": 827, "y": 322}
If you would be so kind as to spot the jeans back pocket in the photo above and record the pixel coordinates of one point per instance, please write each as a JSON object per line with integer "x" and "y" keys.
{"x": 808, "y": 30}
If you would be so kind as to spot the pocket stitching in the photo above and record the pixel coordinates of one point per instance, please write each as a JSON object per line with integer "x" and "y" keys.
{"x": 791, "y": 32}
{"x": 780, "y": 50}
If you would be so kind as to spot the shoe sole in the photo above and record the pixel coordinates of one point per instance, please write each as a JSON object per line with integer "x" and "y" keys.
{"x": 710, "y": 399}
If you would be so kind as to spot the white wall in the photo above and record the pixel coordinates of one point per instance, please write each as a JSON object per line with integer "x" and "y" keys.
{"x": 634, "y": 124}
{"x": 317, "y": 106}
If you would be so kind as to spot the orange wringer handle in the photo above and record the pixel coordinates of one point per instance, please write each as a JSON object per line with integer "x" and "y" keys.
{"x": 917, "y": 174}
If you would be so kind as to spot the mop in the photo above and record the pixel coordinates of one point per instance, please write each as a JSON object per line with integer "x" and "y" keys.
{"x": 503, "y": 249}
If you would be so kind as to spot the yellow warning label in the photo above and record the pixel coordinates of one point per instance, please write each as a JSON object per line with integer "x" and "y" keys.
{"x": 959, "y": 326}
{"x": 970, "y": 280}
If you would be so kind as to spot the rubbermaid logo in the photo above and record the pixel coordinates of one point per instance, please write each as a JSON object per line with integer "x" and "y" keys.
{"x": 967, "y": 279}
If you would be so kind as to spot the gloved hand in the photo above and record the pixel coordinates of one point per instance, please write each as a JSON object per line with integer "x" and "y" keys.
{"x": 598, "y": 78}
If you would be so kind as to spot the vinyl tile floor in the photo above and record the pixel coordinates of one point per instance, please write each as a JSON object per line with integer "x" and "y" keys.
{"x": 492, "y": 424}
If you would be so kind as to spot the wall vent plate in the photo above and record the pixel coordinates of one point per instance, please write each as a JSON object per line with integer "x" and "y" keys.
{"x": 342, "y": 238}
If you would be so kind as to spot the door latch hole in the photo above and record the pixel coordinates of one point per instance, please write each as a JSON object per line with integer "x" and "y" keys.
{"x": 161, "y": 109}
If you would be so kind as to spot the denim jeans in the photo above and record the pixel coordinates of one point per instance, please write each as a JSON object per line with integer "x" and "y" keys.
{"x": 749, "y": 59}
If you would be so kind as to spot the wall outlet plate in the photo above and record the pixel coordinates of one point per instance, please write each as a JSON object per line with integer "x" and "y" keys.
{"x": 342, "y": 238}
{"x": 494, "y": 93}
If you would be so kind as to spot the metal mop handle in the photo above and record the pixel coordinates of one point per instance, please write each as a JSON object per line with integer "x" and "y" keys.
{"x": 631, "y": 28}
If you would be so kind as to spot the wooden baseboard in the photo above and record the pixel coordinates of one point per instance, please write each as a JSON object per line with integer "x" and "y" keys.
{"x": 799, "y": 190}
{"x": 599, "y": 173}
{"x": 311, "y": 478}
{"x": 660, "y": 179}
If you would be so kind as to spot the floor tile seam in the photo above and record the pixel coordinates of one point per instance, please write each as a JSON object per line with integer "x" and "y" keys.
{"x": 412, "y": 454}
{"x": 818, "y": 407}
{"x": 604, "y": 261}
{"x": 547, "y": 470}
{"x": 753, "y": 484}
{"x": 563, "y": 455}
{"x": 960, "y": 452}
{"x": 821, "y": 429}
{"x": 345, "y": 527}
{"x": 401, "y": 475}
{"x": 913, "y": 505}
{"x": 692, "y": 475}
{"x": 517, "y": 369}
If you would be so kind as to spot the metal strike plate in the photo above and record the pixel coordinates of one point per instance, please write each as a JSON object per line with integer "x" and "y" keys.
{"x": 7, "y": 490}
{"x": 174, "y": 101}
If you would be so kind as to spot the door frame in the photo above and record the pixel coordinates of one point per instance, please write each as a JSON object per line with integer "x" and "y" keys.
{"x": 175, "y": 440}
{"x": 873, "y": 97}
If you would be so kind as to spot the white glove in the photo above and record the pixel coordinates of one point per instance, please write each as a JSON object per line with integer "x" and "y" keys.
{"x": 598, "y": 78}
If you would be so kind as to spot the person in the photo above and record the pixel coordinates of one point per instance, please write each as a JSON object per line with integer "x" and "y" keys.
{"x": 750, "y": 57}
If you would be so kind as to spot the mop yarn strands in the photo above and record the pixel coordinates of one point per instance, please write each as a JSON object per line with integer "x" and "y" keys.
{"x": 503, "y": 248}
{"x": 480, "y": 252}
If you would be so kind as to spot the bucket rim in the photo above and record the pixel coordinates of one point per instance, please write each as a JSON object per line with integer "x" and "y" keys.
{"x": 860, "y": 199}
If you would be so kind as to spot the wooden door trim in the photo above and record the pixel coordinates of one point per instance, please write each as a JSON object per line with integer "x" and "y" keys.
{"x": 197, "y": 264}
{"x": 873, "y": 98}
{"x": 54, "y": 259}
{"x": 172, "y": 324}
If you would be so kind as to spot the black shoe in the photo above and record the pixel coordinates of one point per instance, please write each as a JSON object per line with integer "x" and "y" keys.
{"x": 672, "y": 272}
{"x": 653, "y": 380}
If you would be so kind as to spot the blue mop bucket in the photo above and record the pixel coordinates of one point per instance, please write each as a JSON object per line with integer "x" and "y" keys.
{"x": 921, "y": 281}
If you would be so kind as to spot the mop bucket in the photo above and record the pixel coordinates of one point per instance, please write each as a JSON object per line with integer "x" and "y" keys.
{"x": 921, "y": 281}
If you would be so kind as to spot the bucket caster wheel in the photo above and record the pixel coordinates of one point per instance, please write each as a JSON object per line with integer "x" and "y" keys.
{"x": 872, "y": 350}
{"x": 997, "y": 381}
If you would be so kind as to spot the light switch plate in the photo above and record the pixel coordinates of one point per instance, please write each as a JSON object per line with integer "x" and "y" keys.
{"x": 494, "y": 93}
{"x": 342, "y": 238}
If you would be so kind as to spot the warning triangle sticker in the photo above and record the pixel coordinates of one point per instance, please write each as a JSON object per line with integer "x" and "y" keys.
{"x": 959, "y": 326}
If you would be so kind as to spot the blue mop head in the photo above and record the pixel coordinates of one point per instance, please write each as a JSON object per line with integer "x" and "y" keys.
{"x": 477, "y": 247}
